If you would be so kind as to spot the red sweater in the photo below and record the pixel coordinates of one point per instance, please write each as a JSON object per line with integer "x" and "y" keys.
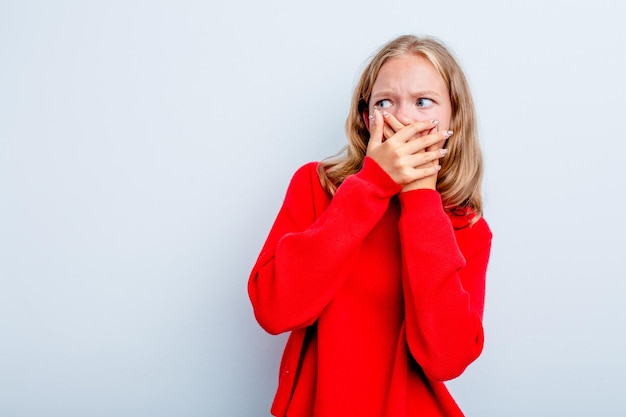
{"x": 383, "y": 294}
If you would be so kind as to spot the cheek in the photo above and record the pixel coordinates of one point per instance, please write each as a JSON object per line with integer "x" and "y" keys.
{"x": 444, "y": 115}
{"x": 440, "y": 115}
{"x": 447, "y": 114}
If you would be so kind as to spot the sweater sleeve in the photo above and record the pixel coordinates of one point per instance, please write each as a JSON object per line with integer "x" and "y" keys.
{"x": 308, "y": 255}
{"x": 444, "y": 285}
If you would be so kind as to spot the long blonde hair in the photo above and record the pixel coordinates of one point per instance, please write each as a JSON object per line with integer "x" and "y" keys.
{"x": 460, "y": 177}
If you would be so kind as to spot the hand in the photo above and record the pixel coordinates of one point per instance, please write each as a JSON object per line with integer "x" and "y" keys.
{"x": 409, "y": 154}
{"x": 392, "y": 125}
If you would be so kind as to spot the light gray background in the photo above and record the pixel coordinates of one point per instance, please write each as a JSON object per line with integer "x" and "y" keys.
{"x": 145, "y": 147}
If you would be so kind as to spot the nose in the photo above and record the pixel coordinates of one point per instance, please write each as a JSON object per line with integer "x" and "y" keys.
{"x": 405, "y": 114}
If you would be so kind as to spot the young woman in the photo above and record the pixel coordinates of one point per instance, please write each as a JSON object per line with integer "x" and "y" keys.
{"x": 376, "y": 262}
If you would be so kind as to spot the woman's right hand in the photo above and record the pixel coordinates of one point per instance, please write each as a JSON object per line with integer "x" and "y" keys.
{"x": 404, "y": 155}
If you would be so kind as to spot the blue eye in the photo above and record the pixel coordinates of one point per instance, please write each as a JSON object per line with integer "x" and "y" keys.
{"x": 383, "y": 104}
{"x": 424, "y": 102}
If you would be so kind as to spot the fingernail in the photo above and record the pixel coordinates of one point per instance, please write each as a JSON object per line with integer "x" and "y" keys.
{"x": 447, "y": 134}
{"x": 443, "y": 151}
{"x": 385, "y": 114}
{"x": 437, "y": 168}
{"x": 371, "y": 117}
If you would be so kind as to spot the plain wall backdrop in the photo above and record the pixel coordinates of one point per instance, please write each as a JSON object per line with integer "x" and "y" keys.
{"x": 145, "y": 148}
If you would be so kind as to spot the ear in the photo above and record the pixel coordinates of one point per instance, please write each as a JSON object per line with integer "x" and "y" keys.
{"x": 366, "y": 118}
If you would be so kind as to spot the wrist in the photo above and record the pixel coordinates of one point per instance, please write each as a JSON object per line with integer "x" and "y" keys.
{"x": 372, "y": 173}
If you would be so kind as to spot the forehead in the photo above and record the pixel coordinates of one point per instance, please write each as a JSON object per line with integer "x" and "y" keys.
{"x": 409, "y": 72}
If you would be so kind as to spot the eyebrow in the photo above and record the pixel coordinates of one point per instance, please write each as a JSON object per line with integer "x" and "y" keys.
{"x": 426, "y": 93}
{"x": 420, "y": 93}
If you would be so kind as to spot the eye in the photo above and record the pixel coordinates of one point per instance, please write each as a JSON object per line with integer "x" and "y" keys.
{"x": 424, "y": 102}
{"x": 383, "y": 104}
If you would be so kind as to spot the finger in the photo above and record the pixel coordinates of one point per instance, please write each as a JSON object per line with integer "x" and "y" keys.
{"x": 426, "y": 170}
{"x": 445, "y": 135}
{"x": 431, "y": 142}
{"x": 426, "y": 159}
{"x": 396, "y": 125}
{"x": 387, "y": 131}
{"x": 377, "y": 125}
{"x": 421, "y": 172}
{"x": 391, "y": 120}
{"x": 415, "y": 130}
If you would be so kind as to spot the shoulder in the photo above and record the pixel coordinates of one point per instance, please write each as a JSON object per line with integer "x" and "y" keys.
{"x": 305, "y": 177}
{"x": 305, "y": 188}
{"x": 306, "y": 171}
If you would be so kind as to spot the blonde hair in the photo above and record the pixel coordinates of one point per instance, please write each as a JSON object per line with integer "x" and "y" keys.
{"x": 460, "y": 177}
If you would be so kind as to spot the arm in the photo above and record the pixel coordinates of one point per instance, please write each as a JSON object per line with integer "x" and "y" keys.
{"x": 444, "y": 285}
{"x": 308, "y": 255}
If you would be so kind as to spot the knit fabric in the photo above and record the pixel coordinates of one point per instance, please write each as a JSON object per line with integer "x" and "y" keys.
{"x": 383, "y": 294}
